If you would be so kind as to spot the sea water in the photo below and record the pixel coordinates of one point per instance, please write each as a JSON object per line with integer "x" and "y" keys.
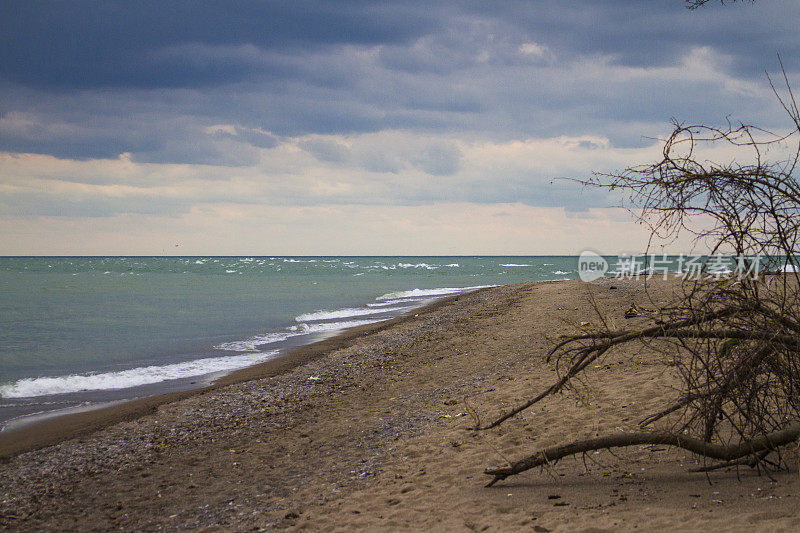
{"x": 84, "y": 330}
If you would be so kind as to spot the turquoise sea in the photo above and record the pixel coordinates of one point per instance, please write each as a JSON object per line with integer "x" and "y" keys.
{"x": 79, "y": 330}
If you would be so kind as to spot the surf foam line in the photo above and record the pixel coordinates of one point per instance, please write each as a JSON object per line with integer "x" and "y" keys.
{"x": 393, "y": 303}
{"x": 124, "y": 379}
{"x": 253, "y": 343}
{"x": 348, "y": 312}
{"x": 387, "y": 303}
{"x": 416, "y": 293}
{"x": 304, "y": 329}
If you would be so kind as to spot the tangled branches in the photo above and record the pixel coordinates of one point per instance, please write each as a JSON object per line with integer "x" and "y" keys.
{"x": 735, "y": 342}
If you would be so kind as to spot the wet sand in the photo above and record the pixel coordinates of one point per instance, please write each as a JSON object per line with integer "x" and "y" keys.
{"x": 369, "y": 430}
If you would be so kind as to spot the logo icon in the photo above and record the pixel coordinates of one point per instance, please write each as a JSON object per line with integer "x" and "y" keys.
{"x": 591, "y": 266}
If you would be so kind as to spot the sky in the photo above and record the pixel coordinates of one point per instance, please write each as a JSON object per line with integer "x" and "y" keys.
{"x": 359, "y": 127}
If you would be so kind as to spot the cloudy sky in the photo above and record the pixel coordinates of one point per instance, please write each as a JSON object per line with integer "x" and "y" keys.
{"x": 350, "y": 127}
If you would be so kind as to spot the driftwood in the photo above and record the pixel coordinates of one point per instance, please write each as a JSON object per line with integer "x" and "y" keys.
{"x": 751, "y": 460}
{"x": 748, "y": 449}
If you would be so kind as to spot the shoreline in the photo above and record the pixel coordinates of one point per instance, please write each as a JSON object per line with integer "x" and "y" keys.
{"x": 374, "y": 432}
{"x": 60, "y": 427}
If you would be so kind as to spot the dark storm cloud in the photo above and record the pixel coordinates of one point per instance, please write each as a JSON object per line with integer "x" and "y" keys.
{"x": 78, "y": 44}
{"x": 83, "y": 80}
{"x": 150, "y": 43}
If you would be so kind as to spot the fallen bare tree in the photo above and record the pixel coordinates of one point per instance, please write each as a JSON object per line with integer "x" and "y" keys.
{"x": 729, "y": 454}
{"x": 734, "y": 340}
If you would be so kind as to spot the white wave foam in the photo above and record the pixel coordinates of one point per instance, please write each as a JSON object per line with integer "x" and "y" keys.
{"x": 257, "y": 341}
{"x": 513, "y": 265}
{"x": 417, "y": 265}
{"x": 388, "y": 303}
{"x": 29, "y": 387}
{"x": 252, "y": 344}
{"x": 332, "y": 326}
{"x": 345, "y": 313}
{"x": 561, "y": 272}
{"x": 416, "y": 293}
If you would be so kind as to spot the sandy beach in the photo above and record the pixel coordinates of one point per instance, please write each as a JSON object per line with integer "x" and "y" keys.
{"x": 370, "y": 431}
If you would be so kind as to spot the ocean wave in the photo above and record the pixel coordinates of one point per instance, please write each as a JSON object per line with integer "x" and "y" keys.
{"x": 252, "y": 344}
{"x": 332, "y": 326}
{"x": 416, "y": 293}
{"x": 123, "y": 379}
{"x": 388, "y": 303}
{"x": 346, "y": 313}
{"x": 513, "y": 265}
{"x": 417, "y": 265}
{"x": 257, "y": 341}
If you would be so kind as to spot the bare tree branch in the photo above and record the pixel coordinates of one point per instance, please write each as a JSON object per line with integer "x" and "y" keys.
{"x": 749, "y": 448}
{"x": 734, "y": 342}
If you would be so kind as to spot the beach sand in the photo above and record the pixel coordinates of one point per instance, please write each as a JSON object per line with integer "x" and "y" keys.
{"x": 370, "y": 431}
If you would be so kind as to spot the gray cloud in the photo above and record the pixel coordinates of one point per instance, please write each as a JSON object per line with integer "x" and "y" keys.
{"x": 438, "y": 160}
{"x": 50, "y": 205}
{"x": 326, "y": 150}
{"x": 82, "y": 81}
